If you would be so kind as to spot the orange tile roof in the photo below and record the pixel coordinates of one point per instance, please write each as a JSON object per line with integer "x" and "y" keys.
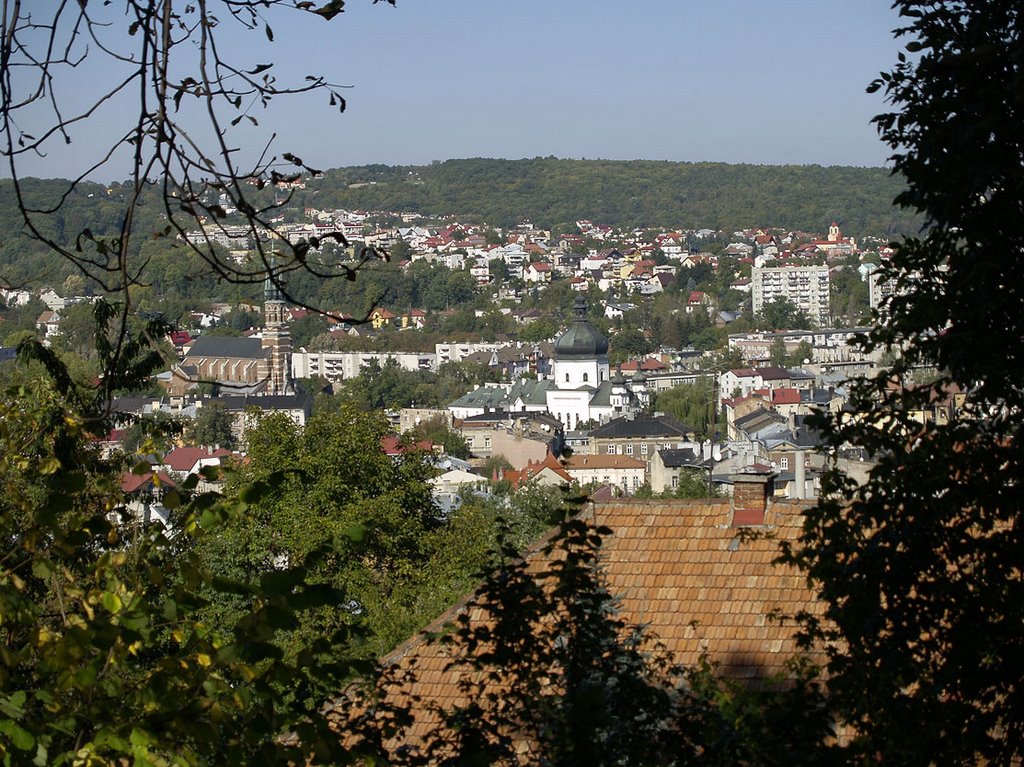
{"x": 698, "y": 584}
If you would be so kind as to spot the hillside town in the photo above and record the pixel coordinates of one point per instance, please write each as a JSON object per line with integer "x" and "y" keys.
{"x": 559, "y": 410}
{"x": 574, "y": 399}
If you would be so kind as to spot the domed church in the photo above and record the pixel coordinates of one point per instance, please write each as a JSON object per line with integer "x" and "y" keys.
{"x": 584, "y": 390}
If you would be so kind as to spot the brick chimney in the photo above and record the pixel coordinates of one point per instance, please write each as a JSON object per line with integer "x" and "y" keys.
{"x": 751, "y": 490}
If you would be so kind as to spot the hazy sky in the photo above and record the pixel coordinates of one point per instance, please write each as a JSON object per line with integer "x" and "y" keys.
{"x": 752, "y": 81}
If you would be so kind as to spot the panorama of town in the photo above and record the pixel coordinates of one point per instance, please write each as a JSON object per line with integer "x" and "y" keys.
{"x": 670, "y": 363}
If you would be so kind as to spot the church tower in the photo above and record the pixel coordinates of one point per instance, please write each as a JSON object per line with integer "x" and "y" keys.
{"x": 834, "y": 235}
{"x": 581, "y": 353}
{"x": 580, "y": 370}
{"x": 277, "y": 341}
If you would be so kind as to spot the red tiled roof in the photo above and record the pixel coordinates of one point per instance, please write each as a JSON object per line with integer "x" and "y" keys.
{"x": 184, "y": 458}
{"x": 392, "y": 445}
{"x": 648, "y": 363}
{"x": 532, "y": 469}
{"x": 132, "y": 482}
{"x": 699, "y": 585}
{"x": 786, "y": 396}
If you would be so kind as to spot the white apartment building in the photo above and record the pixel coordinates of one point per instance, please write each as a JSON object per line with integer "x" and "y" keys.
{"x": 807, "y": 287}
{"x": 339, "y": 366}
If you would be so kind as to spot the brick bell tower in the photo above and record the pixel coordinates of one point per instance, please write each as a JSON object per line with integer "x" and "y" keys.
{"x": 277, "y": 341}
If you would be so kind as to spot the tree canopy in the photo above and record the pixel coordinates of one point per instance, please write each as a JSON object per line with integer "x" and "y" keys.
{"x": 920, "y": 568}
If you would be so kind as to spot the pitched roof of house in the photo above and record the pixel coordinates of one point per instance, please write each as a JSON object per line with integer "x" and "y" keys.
{"x": 773, "y": 373}
{"x": 698, "y": 584}
{"x": 184, "y": 458}
{"x": 642, "y": 426}
{"x": 786, "y": 396}
{"x": 602, "y": 461}
{"x": 132, "y": 482}
{"x": 393, "y": 445}
{"x": 674, "y": 459}
{"x": 647, "y": 363}
{"x": 550, "y": 465}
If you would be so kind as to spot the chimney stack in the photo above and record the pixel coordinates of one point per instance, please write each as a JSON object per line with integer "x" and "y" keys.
{"x": 750, "y": 494}
{"x": 799, "y": 476}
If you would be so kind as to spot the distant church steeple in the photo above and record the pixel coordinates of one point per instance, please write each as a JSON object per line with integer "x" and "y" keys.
{"x": 277, "y": 341}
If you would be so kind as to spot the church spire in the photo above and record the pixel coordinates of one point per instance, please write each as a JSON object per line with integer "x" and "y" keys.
{"x": 271, "y": 289}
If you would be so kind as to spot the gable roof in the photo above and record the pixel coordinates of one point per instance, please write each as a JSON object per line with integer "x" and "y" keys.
{"x": 131, "y": 482}
{"x": 699, "y": 585}
{"x": 227, "y": 346}
{"x": 602, "y": 461}
{"x": 642, "y": 426}
{"x": 678, "y": 458}
{"x": 185, "y": 458}
{"x": 550, "y": 466}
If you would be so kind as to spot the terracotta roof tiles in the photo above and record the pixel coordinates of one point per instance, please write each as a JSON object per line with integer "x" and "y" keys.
{"x": 680, "y": 568}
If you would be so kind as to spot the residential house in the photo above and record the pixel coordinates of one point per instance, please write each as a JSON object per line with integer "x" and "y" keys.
{"x": 382, "y": 317}
{"x": 617, "y": 311}
{"x": 547, "y": 472}
{"x": 668, "y": 465}
{"x": 622, "y": 471}
{"x": 144, "y": 495}
{"x": 539, "y": 272}
{"x": 48, "y": 323}
{"x": 639, "y": 436}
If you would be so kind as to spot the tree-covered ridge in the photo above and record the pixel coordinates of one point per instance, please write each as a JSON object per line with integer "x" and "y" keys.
{"x": 554, "y": 193}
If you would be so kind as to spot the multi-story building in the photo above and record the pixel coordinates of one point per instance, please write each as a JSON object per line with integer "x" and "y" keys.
{"x": 339, "y": 366}
{"x": 807, "y": 287}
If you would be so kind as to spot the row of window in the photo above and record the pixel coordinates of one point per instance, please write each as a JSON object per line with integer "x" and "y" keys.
{"x": 615, "y": 449}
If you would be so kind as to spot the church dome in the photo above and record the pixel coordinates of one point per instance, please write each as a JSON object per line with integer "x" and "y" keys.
{"x": 581, "y": 340}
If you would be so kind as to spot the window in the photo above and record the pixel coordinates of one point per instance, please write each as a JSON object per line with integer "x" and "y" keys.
{"x": 487, "y": 441}
{"x": 586, "y": 377}
{"x": 567, "y": 378}
{"x": 611, "y": 450}
{"x": 643, "y": 448}
{"x": 784, "y": 463}
{"x": 675, "y": 481}
{"x": 629, "y": 449}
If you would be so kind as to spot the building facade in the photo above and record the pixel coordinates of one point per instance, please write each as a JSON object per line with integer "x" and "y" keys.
{"x": 806, "y": 287}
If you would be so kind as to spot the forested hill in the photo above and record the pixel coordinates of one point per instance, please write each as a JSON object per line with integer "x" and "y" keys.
{"x": 555, "y": 193}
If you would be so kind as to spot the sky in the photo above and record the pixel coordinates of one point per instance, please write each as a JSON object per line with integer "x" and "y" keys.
{"x": 741, "y": 81}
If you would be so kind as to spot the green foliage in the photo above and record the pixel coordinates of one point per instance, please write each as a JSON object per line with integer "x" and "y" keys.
{"x": 781, "y": 314}
{"x": 920, "y": 569}
{"x": 552, "y": 192}
{"x": 439, "y": 431}
{"x": 543, "y": 329}
{"x": 213, "y": 426}
{"x": 777, "y": 352}
{"x": 125, "y": 349}
{"x": 328, "y": 478}
{"x": 389, "y": 386}
{"x": 800, "y": 355}
{"x": 629, "y": 342}
{"x": 693, "y": 404}
{"x": 106, "y": 656}
{"x": 849, "y": 297}
{"x": 20, "y": 319}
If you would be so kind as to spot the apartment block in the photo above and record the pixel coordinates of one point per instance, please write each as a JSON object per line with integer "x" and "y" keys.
{"x": 805, "y": 286}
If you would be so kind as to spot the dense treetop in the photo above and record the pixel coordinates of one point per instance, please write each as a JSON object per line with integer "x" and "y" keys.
{"x": 555, "y": 193}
